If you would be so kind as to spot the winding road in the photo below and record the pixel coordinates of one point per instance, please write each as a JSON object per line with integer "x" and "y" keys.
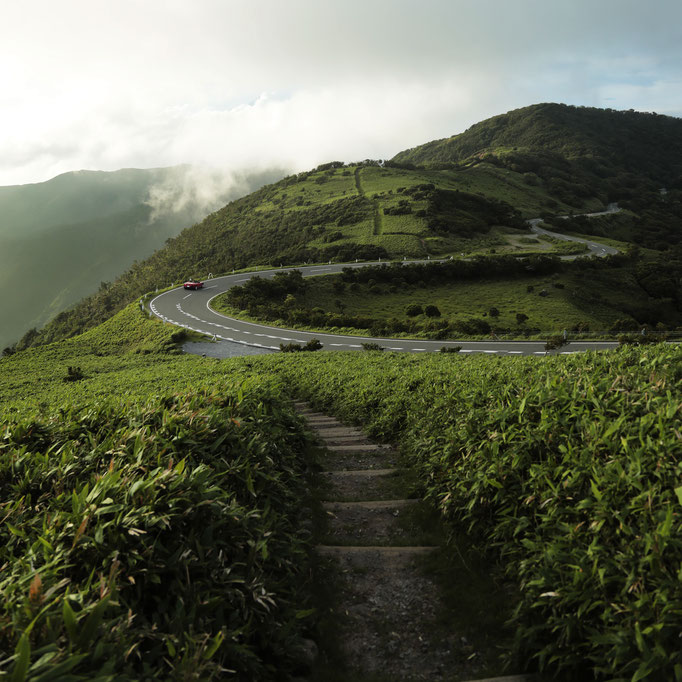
{"x": 192, "y": 310}
{"x": 594, "y": 248}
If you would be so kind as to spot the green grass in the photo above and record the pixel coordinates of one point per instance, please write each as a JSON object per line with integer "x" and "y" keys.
{"x": 550, "y": 447}
{"x": 382, "y": 185}
{"x": 568, "y": 468}
{"x": 595, "y": 304}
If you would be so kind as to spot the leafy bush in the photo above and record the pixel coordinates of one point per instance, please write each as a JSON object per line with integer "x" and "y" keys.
{"x": 413, "y": 310}
{"x": 153, "y": 541}
{"x": 567, "y": 467}
{"x": 74, "y": 374}
{"x": 312, "y": 345}
{"x": 555, "y": 342}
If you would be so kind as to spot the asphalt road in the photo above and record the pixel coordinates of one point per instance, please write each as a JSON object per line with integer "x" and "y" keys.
{"x": 191, "y": 310}
{"x": 595, "y": 248}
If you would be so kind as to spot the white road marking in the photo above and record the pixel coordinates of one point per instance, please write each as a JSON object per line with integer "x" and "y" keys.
{"x": 317, "y": 269}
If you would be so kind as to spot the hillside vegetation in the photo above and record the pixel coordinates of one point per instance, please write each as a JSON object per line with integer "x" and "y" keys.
{"x": 71, "y": 236}
{"x": 126, "y": 467}
{"x": 566, "y": 468}
{"x": 468, "y": 194}
{"x": 606, "y": 143}
{"x": 502, "y": 296}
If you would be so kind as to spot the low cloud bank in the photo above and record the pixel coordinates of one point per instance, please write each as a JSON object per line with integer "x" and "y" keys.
{"x": 197, "y": 191}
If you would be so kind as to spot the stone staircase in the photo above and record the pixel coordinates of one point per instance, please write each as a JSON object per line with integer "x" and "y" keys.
{"x": 387, "y": 605}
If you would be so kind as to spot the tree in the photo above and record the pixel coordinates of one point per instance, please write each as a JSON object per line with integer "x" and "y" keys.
{"x": 431, "y": 311}
{"x": 521, "y": 318}
{"x": 413, "y": 310}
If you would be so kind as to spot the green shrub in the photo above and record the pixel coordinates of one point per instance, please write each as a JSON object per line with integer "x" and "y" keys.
{"x": 566, "y": 468}
{"x": 153, "y": 541}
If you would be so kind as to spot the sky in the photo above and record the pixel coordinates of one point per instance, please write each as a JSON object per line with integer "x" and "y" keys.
{"x": 255, "y": 84}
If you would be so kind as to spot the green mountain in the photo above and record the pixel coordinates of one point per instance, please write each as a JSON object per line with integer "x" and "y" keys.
{"x": 63, "y": 239}
{"x": 157, "y": 505}
{"x": 603, "y": 142}
{"x": 469, "y": 194}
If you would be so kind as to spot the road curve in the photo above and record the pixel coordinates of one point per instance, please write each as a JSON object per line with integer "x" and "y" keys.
{"x": 595, "y": 248}
{"x": 191, "y": 310}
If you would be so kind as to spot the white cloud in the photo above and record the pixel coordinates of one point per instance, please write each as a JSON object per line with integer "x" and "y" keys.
{"x": 96, "y": 84}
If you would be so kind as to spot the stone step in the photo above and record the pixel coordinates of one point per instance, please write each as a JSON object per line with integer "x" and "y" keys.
{"x": 323, "y": 421}
{"x": 369, "y": 504}
{"x": 358, "y": 447}
{"x": 339, "y": 432}
{"x": 359, "y": 554}
{"x": 341, "y": 436}
{"x": 354, "y": 461}
{"x": 510, "y": 678}
{"x": 352, "y": 440}
{"x": 372, "y": 523}
{"x": 365, "y": 484}
{"x": 362, "y": 473}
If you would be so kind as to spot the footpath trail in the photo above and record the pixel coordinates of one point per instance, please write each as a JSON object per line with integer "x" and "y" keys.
{"x": 377, "y": 220}
{"x": 385, "y": 605}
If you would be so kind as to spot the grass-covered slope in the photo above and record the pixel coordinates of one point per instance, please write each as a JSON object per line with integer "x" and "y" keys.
{"x": 469, "y": 194}
{"x": 151, "y": 513}
{"x": 154, "y": 540}
{"x": 66, "y": 238}
{"x": 566, "y": 469}
{"x": 121, "y": 480}
{"x": 622, "y": 141}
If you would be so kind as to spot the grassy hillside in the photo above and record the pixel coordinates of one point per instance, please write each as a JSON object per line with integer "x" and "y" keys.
{"x": 578, "y": 155}
{"x": 492, "y": 297}
{"x": 568, "y": 469}
{"x": 61, "y": 239}
{"x": 466, "y": 195}
{"x": 602, "y": 141}
{"x": 140, "y": 466}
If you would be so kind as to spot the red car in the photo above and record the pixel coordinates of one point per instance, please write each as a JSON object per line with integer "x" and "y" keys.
{"x": 193, "y": 284}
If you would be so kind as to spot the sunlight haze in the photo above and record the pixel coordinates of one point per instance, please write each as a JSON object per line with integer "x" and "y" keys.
{"x": 235, "y": 85}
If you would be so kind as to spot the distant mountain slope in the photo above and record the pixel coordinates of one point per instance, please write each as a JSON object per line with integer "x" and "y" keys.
{"x": 467, "y": 194}
{"x": 61, "y": 239}
{"x": 649, "y": 145}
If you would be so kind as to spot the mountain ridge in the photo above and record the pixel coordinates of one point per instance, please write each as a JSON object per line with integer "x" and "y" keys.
{"x": 545, "y": 126}
{"x": 62, "y": 238}
{"x": 451, "y": 202}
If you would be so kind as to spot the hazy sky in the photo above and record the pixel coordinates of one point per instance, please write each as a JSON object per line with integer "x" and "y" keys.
{"x": 106, "y": 84}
